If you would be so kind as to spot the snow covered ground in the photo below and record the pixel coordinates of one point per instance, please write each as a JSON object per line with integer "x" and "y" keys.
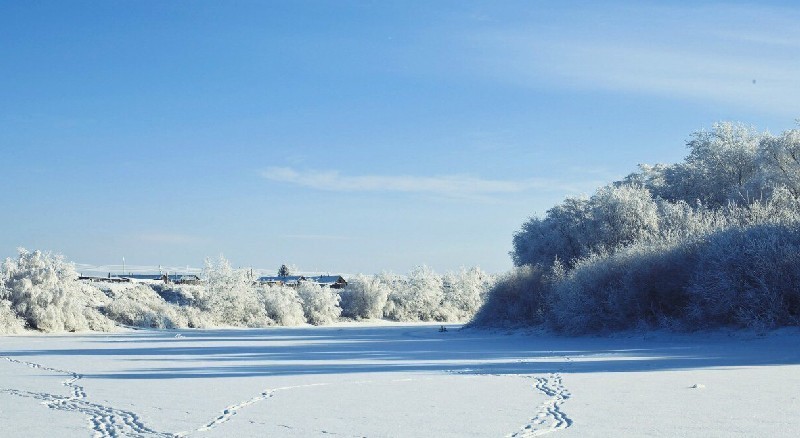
{"x": 386, "y": 380}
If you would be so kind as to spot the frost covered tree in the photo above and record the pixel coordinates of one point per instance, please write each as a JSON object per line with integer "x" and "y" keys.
{"x": 616, "y": 215}
{"x": 780, "y": 156}
{"x": 364, "y": 297}
{"x": 9, "y": 321}
{"x": 726, "y": 164}
{"x": 723, "y": 164}
{"x": 282, "y": 304}
{"x": 141, "y": 306}
{"x": 621, "y": 215}
{"x": 230, "y": 296}
{"x": 417, "y": 297}
{"x": 43, "y": 290}
{"x": 320, "y": 304}
{"x": 705, "y": 242}
{"x": 464, "y": 292}
{"x": 560, "y": 234}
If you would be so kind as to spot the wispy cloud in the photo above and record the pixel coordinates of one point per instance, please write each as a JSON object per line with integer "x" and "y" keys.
{"x": 675, "y": 72}
{"x": 456, "y": 186}
{"x": 744, "y": 57}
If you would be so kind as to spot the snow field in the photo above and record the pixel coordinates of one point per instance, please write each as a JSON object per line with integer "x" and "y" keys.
{"x": 394, "y": 380}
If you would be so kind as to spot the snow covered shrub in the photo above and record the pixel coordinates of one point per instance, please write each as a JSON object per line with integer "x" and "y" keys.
{"x": 230, "y": 297}
{"x": 739, "y": 267}
{"x": 639, "y": 285}
{"x": 679, "y": 221}
{"x": 320, "y": 304}
{"x": 9, "y": 322}
{"x": 520, "y": 297}
{"x": 780, "y": 208}
{"x": 422, "y": 295}
{"x": 44, "y": 291}
{"x": 283, "y": 305}
{"x": 748, "y": 277}
{"x": 196, "y": 318}
{"x": 416, "y": 297}
{"x": 364, "y": 297}
{"x": 710, "y": 241}
{"x": 464, "y": 293}
{"x": 141, "y": 306}
{"x": 180, "y": 294}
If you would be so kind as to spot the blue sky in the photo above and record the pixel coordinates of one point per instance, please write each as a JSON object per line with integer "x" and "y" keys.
{"x": 356, "y": 136}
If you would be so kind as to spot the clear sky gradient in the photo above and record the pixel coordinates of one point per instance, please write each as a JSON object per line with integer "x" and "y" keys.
{"x": 356, "y": 136}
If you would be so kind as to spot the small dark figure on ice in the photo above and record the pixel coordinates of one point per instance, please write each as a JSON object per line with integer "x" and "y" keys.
{"x": 442, "y": 329}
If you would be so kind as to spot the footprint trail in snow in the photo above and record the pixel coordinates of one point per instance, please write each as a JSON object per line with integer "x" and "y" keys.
{"x": 549, "y": 418}
{"x": 105, "y": 421}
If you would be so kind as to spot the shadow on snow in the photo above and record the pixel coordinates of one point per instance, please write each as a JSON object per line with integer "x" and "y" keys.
{"x": 375, "y": 349}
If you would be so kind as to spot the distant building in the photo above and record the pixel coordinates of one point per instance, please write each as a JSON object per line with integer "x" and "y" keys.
{"x": 184, "y": 279}
{"x": 145, "y": 277}
{"x": 163, "y": 278}
{"x": 331, "y": 281}
{"x": 108, "y": 279}
{"x": 288, "y": 280}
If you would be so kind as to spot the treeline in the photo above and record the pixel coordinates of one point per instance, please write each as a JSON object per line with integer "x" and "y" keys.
{"x": 40, "y": 291}
{"x": 711, "y": 241}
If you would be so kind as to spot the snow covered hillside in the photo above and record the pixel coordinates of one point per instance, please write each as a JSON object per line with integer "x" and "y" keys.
{"x": 390, "y": 380}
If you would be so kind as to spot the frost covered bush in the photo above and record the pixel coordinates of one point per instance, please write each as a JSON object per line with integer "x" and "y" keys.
{"x": 41, "y": 291}
{"x": 180, "y": 294}
{"x": 229, "y": 297}
{"x": 748, "y": 277}
{"x": 621, "y": 215}
{"x": 707, "y": 242}
{"x": 422, "y": 295}
{"x": 364, "y": 297}
{"x": 562, "y": 234}
{"x": 745, "y": 274}
{"x": 464, "y": 292}
{"x": 141, "y": 306}
{"x": 642, "y": 285}
{"x": 320, "y": 304}
{"x": 416, "y": 297}
{"x": 520, "y": 297}
{"x": 196, "y": 318}
{"x": 283, "y": 305}
{"x": 616, "y": 215}
{"x": 9, "y": 322}
{"x": 189, "y": 301}
{"x": 44, "y": 291}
